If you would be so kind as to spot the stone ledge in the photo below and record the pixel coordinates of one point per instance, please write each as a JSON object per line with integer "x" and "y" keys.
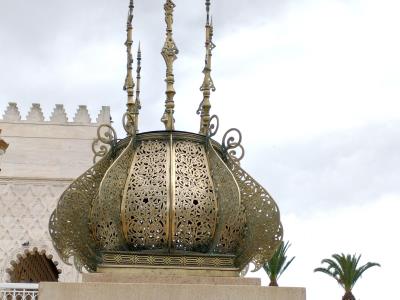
{"x": 132, "y": 291}
{"x": 151, "y": 279}
{"x": 27, "y": 180}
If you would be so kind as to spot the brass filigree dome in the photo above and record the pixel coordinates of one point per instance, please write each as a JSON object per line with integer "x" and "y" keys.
{"x": 166, "y": 198}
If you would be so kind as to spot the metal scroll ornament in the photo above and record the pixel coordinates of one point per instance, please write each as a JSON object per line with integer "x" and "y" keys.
{"x": 231, "y": 141}
{"x": 106, "y": 139}
{"x": 232, "y": 145}
{"x": 128, "y": 122}
{"x": 213, "y": 126}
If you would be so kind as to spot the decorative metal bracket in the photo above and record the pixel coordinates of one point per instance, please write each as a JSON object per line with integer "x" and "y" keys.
{"x": 231, "y": 141}
{"x": 213, "y": 126}
{"x": 128, "y": 120}
{"x": 106, "y": 140}
{"x": 231, "y": 146}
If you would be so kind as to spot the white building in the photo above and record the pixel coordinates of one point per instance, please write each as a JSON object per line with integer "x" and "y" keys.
{"x": 42, "y": 159}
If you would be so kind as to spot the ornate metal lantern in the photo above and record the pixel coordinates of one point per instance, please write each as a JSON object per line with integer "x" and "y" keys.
{"x": 167, "y": 199}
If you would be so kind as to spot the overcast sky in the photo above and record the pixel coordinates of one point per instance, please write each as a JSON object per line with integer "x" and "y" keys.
{"x": 312, "y": 84}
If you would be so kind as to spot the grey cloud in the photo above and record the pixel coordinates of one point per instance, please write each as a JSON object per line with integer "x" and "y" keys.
{"x": 38, "y": 24}
{"x": 342, "y": 168}
{"x": 39, "y": 39}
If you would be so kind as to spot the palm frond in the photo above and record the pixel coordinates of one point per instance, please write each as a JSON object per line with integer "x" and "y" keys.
{"x": 327, "y": 272}
{"x": 286, "y": 266}
{"x": 362, "y": 269}
{"x": 278, "y": 263}
{"x": 344, "y": 269}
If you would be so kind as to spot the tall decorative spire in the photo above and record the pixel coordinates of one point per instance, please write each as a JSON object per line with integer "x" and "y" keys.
{"x": 138, "y": 77}
{"x": 132, "y": 113}
{"x": 208, "y": 4}
{"x": 169, "y": 52}
{"x": 208, "y": 84}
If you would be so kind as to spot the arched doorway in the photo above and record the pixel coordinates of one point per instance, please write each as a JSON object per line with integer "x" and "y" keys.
{"x": 32, "y": 267}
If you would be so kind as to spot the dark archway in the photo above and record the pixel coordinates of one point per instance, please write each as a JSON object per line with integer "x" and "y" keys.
{"x": 33, "y": 267}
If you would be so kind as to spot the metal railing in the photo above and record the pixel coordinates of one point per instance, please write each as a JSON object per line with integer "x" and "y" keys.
{"x": 19, "y": 291}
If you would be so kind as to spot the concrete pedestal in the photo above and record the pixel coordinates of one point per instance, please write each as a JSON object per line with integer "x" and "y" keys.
{"x": 104, "y": 287}
{"x": 160, "y": 279}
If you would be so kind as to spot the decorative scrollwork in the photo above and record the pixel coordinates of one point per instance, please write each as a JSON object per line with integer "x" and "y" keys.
{"x": 264, "y": 230}
{"x": 198, "y": 111}
{"x": 128, "y": 122}
{"x": 137, "y": 259}
{"x": 213, "y": 126}
{"x": 145, "y": 203}
{"x": 230, "y": 145}
{"x": 106, "y": 139}
{"x": 106, "y": 207}
{"x": 68, "y": 225}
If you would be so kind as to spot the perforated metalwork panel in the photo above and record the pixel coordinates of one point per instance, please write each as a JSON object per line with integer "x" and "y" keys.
{"x": 231, "y": 217}
{"x": 106, "y": 209}
{"x": 264, "y": 230}
{"x": 145, "y": 203}
{"x": 195, "y": 215}
{"x": 69, "y": 223}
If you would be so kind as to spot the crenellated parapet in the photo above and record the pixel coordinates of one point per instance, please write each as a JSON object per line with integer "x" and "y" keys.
{"x": 58, "y": 116}
{"x": 12, "y": 113}
{"x": 35, "y": 114}
{"x": 82, "y": 115}
{"x": 48, "y": 143}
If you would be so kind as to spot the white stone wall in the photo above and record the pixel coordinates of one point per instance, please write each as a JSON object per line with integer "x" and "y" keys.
{"x": 43, "y": 158}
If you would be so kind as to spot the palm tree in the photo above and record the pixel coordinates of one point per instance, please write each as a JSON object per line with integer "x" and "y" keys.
{"x": 277, "y": 264}
{"x": 344, "y": 269}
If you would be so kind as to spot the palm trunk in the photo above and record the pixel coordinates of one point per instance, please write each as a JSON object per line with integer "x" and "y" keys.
{"x": 273, "y": 282}
{"x": 348, "y": 296}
